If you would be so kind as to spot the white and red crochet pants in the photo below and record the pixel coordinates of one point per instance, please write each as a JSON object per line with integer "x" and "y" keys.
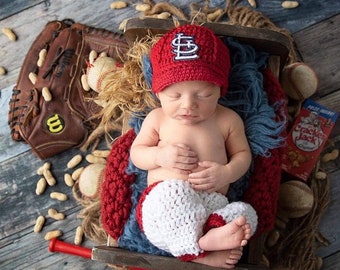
{"x": 174, "y": 216}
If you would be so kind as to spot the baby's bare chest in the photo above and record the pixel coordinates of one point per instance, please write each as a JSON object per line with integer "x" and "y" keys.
{"x": 207, "y": 141}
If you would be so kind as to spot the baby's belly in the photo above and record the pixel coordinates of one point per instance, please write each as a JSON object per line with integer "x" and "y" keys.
{"x": 161, "y": 174}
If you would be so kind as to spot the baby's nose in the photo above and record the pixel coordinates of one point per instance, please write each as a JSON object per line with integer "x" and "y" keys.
{"x": 189, "y": 102}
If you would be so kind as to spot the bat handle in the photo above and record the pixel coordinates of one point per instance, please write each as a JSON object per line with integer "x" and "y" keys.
{"x": 61, "y": 246}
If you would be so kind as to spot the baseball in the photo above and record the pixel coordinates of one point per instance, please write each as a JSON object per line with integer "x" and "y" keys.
{"x": 90, "y": 180}
{"x": 97, "y": 71}
{"x": 299, "y": 81}
{"x": 295, "y": 199}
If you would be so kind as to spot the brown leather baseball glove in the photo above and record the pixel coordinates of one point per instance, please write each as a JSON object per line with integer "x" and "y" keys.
{"x": 49, "y": 108}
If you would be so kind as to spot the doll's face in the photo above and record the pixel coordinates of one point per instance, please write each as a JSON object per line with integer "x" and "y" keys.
{"x": 190, "y": 102}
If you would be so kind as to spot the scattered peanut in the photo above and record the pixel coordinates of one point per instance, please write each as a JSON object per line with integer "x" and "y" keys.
{"x": 41, "y": 186}
{"x": 214, "y": 15}
{"x": 93, "y": 159}
{"x": 330, "y": 156}
{"x": 53, "y": 213}
{"x": 33, "y": 77}
{"x": 76, "y": 173}
{"x": 143, "y": 7}
{"x": 45, "y": 166}
{"x": 265, "y": 261}
{"x": 74, "y": 161}
{"x": 92, "y": 56}
{"x": 272, "y": 238}
{"x": 290, "y": 4}
{"x": 164, "y": 15}
{"x": 101, "y": 153}
{"x": 280, "y": 223}
{"x": 68, "y": 180}
{"x": 58, "y": 196}
{"x": 9, "y": 33}
{"x": 78, "y": 238}
{"x": 321, "y": 175}
{"x": 3, "y": 71}
{"x": 118, "y": 5}
{"x": 42, "y": 56}
{"x": 252, "y": 3}
{"x": 53, "y": 234}
{"x": 46, "y": 94}
{"x": 84, "y": 83}
{"x": 40, "y": 170}
{"x": 122, "y": 25}
{"x": 49, "y": 177}
{"x": 39, "y": 223}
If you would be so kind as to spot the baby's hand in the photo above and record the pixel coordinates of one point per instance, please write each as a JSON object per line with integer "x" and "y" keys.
{"x": 177, "y": 157}
{"x": 211, "y": 178}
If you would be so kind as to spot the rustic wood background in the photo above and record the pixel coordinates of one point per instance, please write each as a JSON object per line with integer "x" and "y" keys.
{"x": 315, "y": 26}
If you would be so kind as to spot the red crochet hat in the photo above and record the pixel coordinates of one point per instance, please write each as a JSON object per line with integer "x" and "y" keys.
{"x": 189, "y": 53}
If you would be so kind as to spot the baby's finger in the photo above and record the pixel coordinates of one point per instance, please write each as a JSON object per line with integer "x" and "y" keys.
{"x": 207, "y": 164}
{"x": 182, "y": 145}
{"x": 202, "y": 187}
{"x": 185, "y": 166}
{"x": 185, "y": 150}
{"x": 188, "y": 160}
{"x": 199, "y": 177}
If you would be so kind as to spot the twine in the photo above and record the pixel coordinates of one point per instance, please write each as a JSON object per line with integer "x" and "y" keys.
{"x": 297, "y": 246}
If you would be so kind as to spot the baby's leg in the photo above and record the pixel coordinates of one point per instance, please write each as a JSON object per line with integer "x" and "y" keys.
{"x": 172, "y": 217}
{"x": 224, "y": 259}
{"x": 234, "y": 234}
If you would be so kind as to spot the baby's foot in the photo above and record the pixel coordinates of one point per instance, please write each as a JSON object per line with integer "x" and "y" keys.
{"x": 224, "y": 258}
{"x": 234, "y": 234}
{"x": 234, "y": 256}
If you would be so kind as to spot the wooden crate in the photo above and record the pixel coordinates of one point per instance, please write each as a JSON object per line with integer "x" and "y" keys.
{"x": 277, "y": 45}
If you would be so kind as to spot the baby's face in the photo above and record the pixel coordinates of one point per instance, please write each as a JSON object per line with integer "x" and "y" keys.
{"x": 190, "y": 102}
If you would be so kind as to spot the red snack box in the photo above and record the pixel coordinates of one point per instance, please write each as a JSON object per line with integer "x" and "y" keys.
{"x": 307, "y": 138}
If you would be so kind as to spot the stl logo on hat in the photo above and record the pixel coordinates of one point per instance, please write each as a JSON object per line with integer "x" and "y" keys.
{"x": 184, "y": 47}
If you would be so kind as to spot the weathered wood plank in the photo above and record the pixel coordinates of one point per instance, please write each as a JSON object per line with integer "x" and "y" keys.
{"x": 8, "y": 147}
{"x": 293, "y": 19}
{"x": 329, "y": 224}
{"x": 18, "y": 185}
{"x": 332, "y": 262}
{"x": 319, "y": 46}
{"x": 31, "y": 251}
{"x": 119, "y": 256}
{"x": 32, "y": 21}
{"x": 332, "y": 101}
{"x": 20, "y": 248}
{"x": 10, "y": 8}
{"x": 308, "y": 12}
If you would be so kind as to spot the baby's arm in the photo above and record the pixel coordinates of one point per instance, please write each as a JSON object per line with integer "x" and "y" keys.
{"x": 215, "y": 176}
{"x": 238, "y": 150}
{"x": 147, "y": 154}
